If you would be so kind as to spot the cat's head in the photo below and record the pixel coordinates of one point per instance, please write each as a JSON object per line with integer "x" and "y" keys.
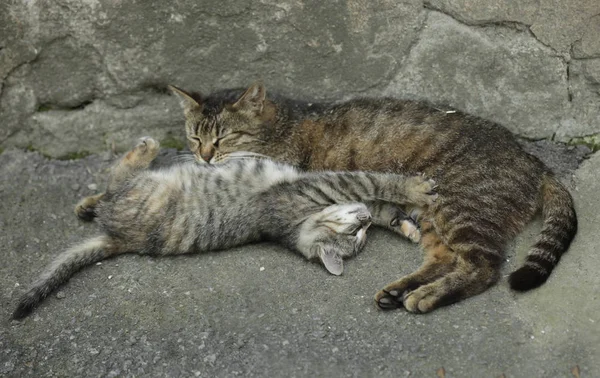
{"x": 226, "y": 122}
{"x": 336, "y": 232}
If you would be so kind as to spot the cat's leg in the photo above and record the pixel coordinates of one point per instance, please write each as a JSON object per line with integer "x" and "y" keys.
{"x": 86, "y": 208}
{"x": 439, "y": 260}
{"x": 138, "y": 158}
{"x": 464, "y": 264}
{"x": 396, "y": 219}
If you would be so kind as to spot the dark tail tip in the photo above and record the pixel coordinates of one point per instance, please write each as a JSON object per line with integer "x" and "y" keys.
{"x": 26, "y": 305}
{"x": 527, "y": 278}
{"x": 23, "y": 310}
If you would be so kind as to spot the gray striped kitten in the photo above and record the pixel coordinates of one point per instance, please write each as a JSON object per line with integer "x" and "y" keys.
{"x": 190, "y": 208}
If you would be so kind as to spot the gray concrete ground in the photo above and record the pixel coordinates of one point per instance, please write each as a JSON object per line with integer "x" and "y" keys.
{"x": 263, "y": 311}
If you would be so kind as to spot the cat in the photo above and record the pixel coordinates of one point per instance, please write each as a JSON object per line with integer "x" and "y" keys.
{"x": 489, "y": 187}
{"x": 189, "y": 208}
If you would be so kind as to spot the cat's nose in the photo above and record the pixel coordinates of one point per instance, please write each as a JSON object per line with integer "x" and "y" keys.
{"x": 206, "y": 157}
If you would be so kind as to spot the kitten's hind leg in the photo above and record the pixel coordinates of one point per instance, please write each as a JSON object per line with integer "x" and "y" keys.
{"x": 86, "y": 208}
{"x": 138, "y": 158}
{"x": 396, "y": 219}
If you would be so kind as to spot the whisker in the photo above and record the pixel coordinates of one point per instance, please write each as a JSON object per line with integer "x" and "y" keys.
{"x": 241, "y": 155}
{"x": 183, "y": 158}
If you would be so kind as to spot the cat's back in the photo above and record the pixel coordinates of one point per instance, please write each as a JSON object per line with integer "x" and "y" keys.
{"x": 388, "y": 134}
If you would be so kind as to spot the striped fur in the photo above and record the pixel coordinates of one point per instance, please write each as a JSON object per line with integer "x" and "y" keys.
{"x": 190, "y": 208}
{"x": 489, "y": 187}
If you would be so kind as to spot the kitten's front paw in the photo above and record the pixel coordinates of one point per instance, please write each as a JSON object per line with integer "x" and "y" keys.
{"x": 407, "y": 228}
{"x": 421, "y": 191}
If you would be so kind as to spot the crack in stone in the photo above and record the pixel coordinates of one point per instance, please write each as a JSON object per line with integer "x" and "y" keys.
{"x": 519, "y": 26}
{"x": 569, "y": 89}
{"x": 513, "y": 25}
{"x": 80, "y": 106}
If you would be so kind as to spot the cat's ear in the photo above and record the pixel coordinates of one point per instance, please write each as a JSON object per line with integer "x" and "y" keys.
{"x": 331, "y": 260}
{"x": 188, "y": 101}
{"x": 253, "y": 99}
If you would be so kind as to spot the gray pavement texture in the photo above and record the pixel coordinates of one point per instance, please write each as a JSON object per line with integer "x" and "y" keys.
{"x": 262, "y": 311}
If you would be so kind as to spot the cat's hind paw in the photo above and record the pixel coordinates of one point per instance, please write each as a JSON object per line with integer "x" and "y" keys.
{"x": 86, "y": 208}
{"x": 143, "y": 152}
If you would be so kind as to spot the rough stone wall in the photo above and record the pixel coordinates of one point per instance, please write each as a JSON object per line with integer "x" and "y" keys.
{"x": 81, "y": 76}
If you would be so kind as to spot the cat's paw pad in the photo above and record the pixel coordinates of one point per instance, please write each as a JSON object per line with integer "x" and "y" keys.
{"x": 421, "y": 191}
{"x": 388, "y": 300}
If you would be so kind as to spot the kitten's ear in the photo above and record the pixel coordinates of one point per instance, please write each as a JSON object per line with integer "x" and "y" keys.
{"x": 253, "y": 99}
{"x": 332, "y": 261}
{"x": 188, "y": 102}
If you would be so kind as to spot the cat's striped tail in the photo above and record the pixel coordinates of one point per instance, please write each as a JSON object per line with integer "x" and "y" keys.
{"x": 559, "y": 229}
{"x": 61, "y": 269}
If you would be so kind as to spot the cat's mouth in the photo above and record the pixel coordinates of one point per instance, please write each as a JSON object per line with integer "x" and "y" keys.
{"x": 361, "y": 238}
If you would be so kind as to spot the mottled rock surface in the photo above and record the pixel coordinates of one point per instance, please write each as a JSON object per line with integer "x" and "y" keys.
{"x": 80, "y": 77}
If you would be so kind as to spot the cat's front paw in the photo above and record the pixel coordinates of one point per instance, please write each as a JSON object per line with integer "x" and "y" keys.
{"x": 421, "y": 191}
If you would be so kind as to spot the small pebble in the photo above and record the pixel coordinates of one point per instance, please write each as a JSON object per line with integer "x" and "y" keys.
{"x": 92, "y": 186}
{"x": 262, "y": 268}
{"x": 61, "y": 295}
{"x": 75, "y": 186}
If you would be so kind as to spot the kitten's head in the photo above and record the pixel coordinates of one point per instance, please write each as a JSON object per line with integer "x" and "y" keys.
{"x": 336, "y": 232}
{"x": 226, "y": 122}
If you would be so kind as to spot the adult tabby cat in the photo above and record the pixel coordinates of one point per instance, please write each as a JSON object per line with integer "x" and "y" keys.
{"x": 192, "y": 208}
{"x": 489, "y": 187}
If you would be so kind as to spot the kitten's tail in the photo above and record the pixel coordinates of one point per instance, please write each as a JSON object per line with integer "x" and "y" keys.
{"x": 559, "y": 229}
{"x": 61, "y": 269}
